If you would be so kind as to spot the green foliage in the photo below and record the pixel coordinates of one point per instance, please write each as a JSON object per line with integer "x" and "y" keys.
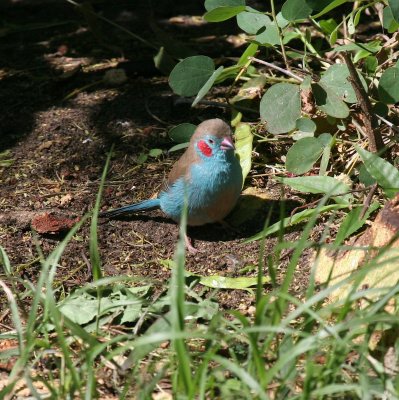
{"x": 244, "y": 139}
{"x": 388, "y": 89}
{"x": 280, "y": 107}
{"x": 191, "y": 74}
{"x": 303, "y": 154}
{"x": 182, "y": 133}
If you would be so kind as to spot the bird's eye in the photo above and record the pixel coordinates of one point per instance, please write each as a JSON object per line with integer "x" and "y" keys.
{"x": 211, "y": 141}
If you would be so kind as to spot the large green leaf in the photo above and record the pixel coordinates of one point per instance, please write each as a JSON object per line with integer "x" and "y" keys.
{"x": 329, "y": 7}
{"x": 303, "y": 154}
{"x": 329, "y": 102}
{"x": 394, "y": 4}
{"x": 211, "y": 4}
{"x": 353, "y": 222}
{"x": 182, "y": 133}
{"x": 244, "y": 140}
{"x": 336, "y": 79}
{"x": 190, "y": 75}
{"x": 269, "y": 36}
{"x": 388, "y": 88}
{"x": 223, "y": 13}
{"x": 389, "y": 22}
{"x": 317, "y": 5}
{"x": 251, "y": 22}
{"x": 320, "y": 184}
{"x": 207, "y": 86}
{"x": 280, "y": 107}
{"x": 294, "y": 10}
{"x": 386, "y": 175}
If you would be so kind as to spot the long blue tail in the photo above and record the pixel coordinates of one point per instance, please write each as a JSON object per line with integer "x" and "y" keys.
{"x": 146, "y": 205}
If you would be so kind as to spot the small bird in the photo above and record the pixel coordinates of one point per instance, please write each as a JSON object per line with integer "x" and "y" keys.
{"x": 208, "y": 173}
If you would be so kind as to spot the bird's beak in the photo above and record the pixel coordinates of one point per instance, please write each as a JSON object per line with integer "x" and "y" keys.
{"x": 227, "y": 144}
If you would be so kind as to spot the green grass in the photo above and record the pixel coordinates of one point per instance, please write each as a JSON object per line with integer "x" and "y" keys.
{"x": 184, "y": 344}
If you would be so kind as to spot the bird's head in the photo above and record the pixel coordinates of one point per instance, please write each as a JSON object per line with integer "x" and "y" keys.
{"x": 213, "y": 139}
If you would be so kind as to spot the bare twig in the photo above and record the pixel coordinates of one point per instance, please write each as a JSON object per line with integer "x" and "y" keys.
{"x": 367, "y": 200}
{"x": 282, "y": 70}
{"x": 370, "y": 120}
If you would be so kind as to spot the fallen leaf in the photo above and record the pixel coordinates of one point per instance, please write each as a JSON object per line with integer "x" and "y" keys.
{"x": 50, "y": 223}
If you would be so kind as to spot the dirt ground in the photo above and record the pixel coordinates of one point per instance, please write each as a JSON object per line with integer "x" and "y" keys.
{"x": 59, "y": 118}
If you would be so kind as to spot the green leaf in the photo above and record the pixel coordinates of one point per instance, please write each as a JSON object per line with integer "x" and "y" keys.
{"x": 329, "y": 7}
{"x": 182, "y": 133}
{"x": 320, "y": 184}
{"x": 294, "y": 10}
{"x": 250, "y": 51}
{"x": 155, "y": 152}
{"x": 317, "y": 5}
{"x": 142, "y": 158}
{"x": 269, "y": 36}
{"x": 251, "y": 22}
{"x": 305, "y": 124}
{"x": 303, "y": 154}
{"x": 190, "y": 75}
{"x": 244, "y": 139}
{"x": 365, "y": 177}
{"x": 328, "y": 25}
{"x": 163, "y": 61}
{"x": 352, "y": 222}
{"x": 208, "y": 84}
{"x": 211, "y": 4}
{"x": 371, "y": 47}
{"x": 294, "y": 219}
{"x": 329, "y": 102}
{"x": 386, "y": 175}
{"x": 336, "y": 79}
{"x": 394, "y": 4}
{"x": 222, "y": 13}
{"x": 388, "y": 20}
{"x": 179, "y": 146}
{"x": 388, "y": 88}
{"x": 280, "y": 107}
{"x": 371, "y": 64}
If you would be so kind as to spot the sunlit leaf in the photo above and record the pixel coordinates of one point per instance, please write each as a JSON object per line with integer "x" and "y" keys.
{"x": 320, "y": 184}
{"x": 303, "y": 154}
{"x": 211, "y": 4}
{"x": 222, "y": 13}
{"x": 328, "y": 101}
{"x": 244, "y": 138}
{"x": 386, "y": 175}
{"x": 207, "y": 86}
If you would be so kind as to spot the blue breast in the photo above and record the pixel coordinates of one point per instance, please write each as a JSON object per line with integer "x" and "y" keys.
{"x": 212, "y": 191}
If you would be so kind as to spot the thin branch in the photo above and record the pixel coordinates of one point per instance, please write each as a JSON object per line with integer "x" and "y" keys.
{"x": 282, "y": 70}
{"x": 279, "y": 35}
{"x": 370, "y": 120}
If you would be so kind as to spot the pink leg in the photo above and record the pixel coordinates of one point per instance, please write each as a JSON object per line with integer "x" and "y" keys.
{"x": 189, "y": 245}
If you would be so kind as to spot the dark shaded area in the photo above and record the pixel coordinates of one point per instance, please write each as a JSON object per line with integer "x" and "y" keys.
{"x": 50, "y": 49}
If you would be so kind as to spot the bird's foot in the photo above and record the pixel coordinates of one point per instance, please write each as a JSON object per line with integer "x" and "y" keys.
{"x": 191, "y": 249}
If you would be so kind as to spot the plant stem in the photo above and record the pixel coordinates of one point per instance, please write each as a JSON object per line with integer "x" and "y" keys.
{"x": 370, "y": 120}
{"x": 279, "y": 35}
{"x": 282, "y": 70}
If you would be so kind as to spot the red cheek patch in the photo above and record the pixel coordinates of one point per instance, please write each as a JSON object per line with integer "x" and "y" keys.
{"x": 204, "y": 148}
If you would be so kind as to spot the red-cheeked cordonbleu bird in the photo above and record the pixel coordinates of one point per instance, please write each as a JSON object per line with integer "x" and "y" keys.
{"x": 208, "y": 172}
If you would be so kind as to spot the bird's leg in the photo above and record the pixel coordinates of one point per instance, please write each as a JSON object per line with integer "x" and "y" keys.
{"x": 189, "y": 245}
